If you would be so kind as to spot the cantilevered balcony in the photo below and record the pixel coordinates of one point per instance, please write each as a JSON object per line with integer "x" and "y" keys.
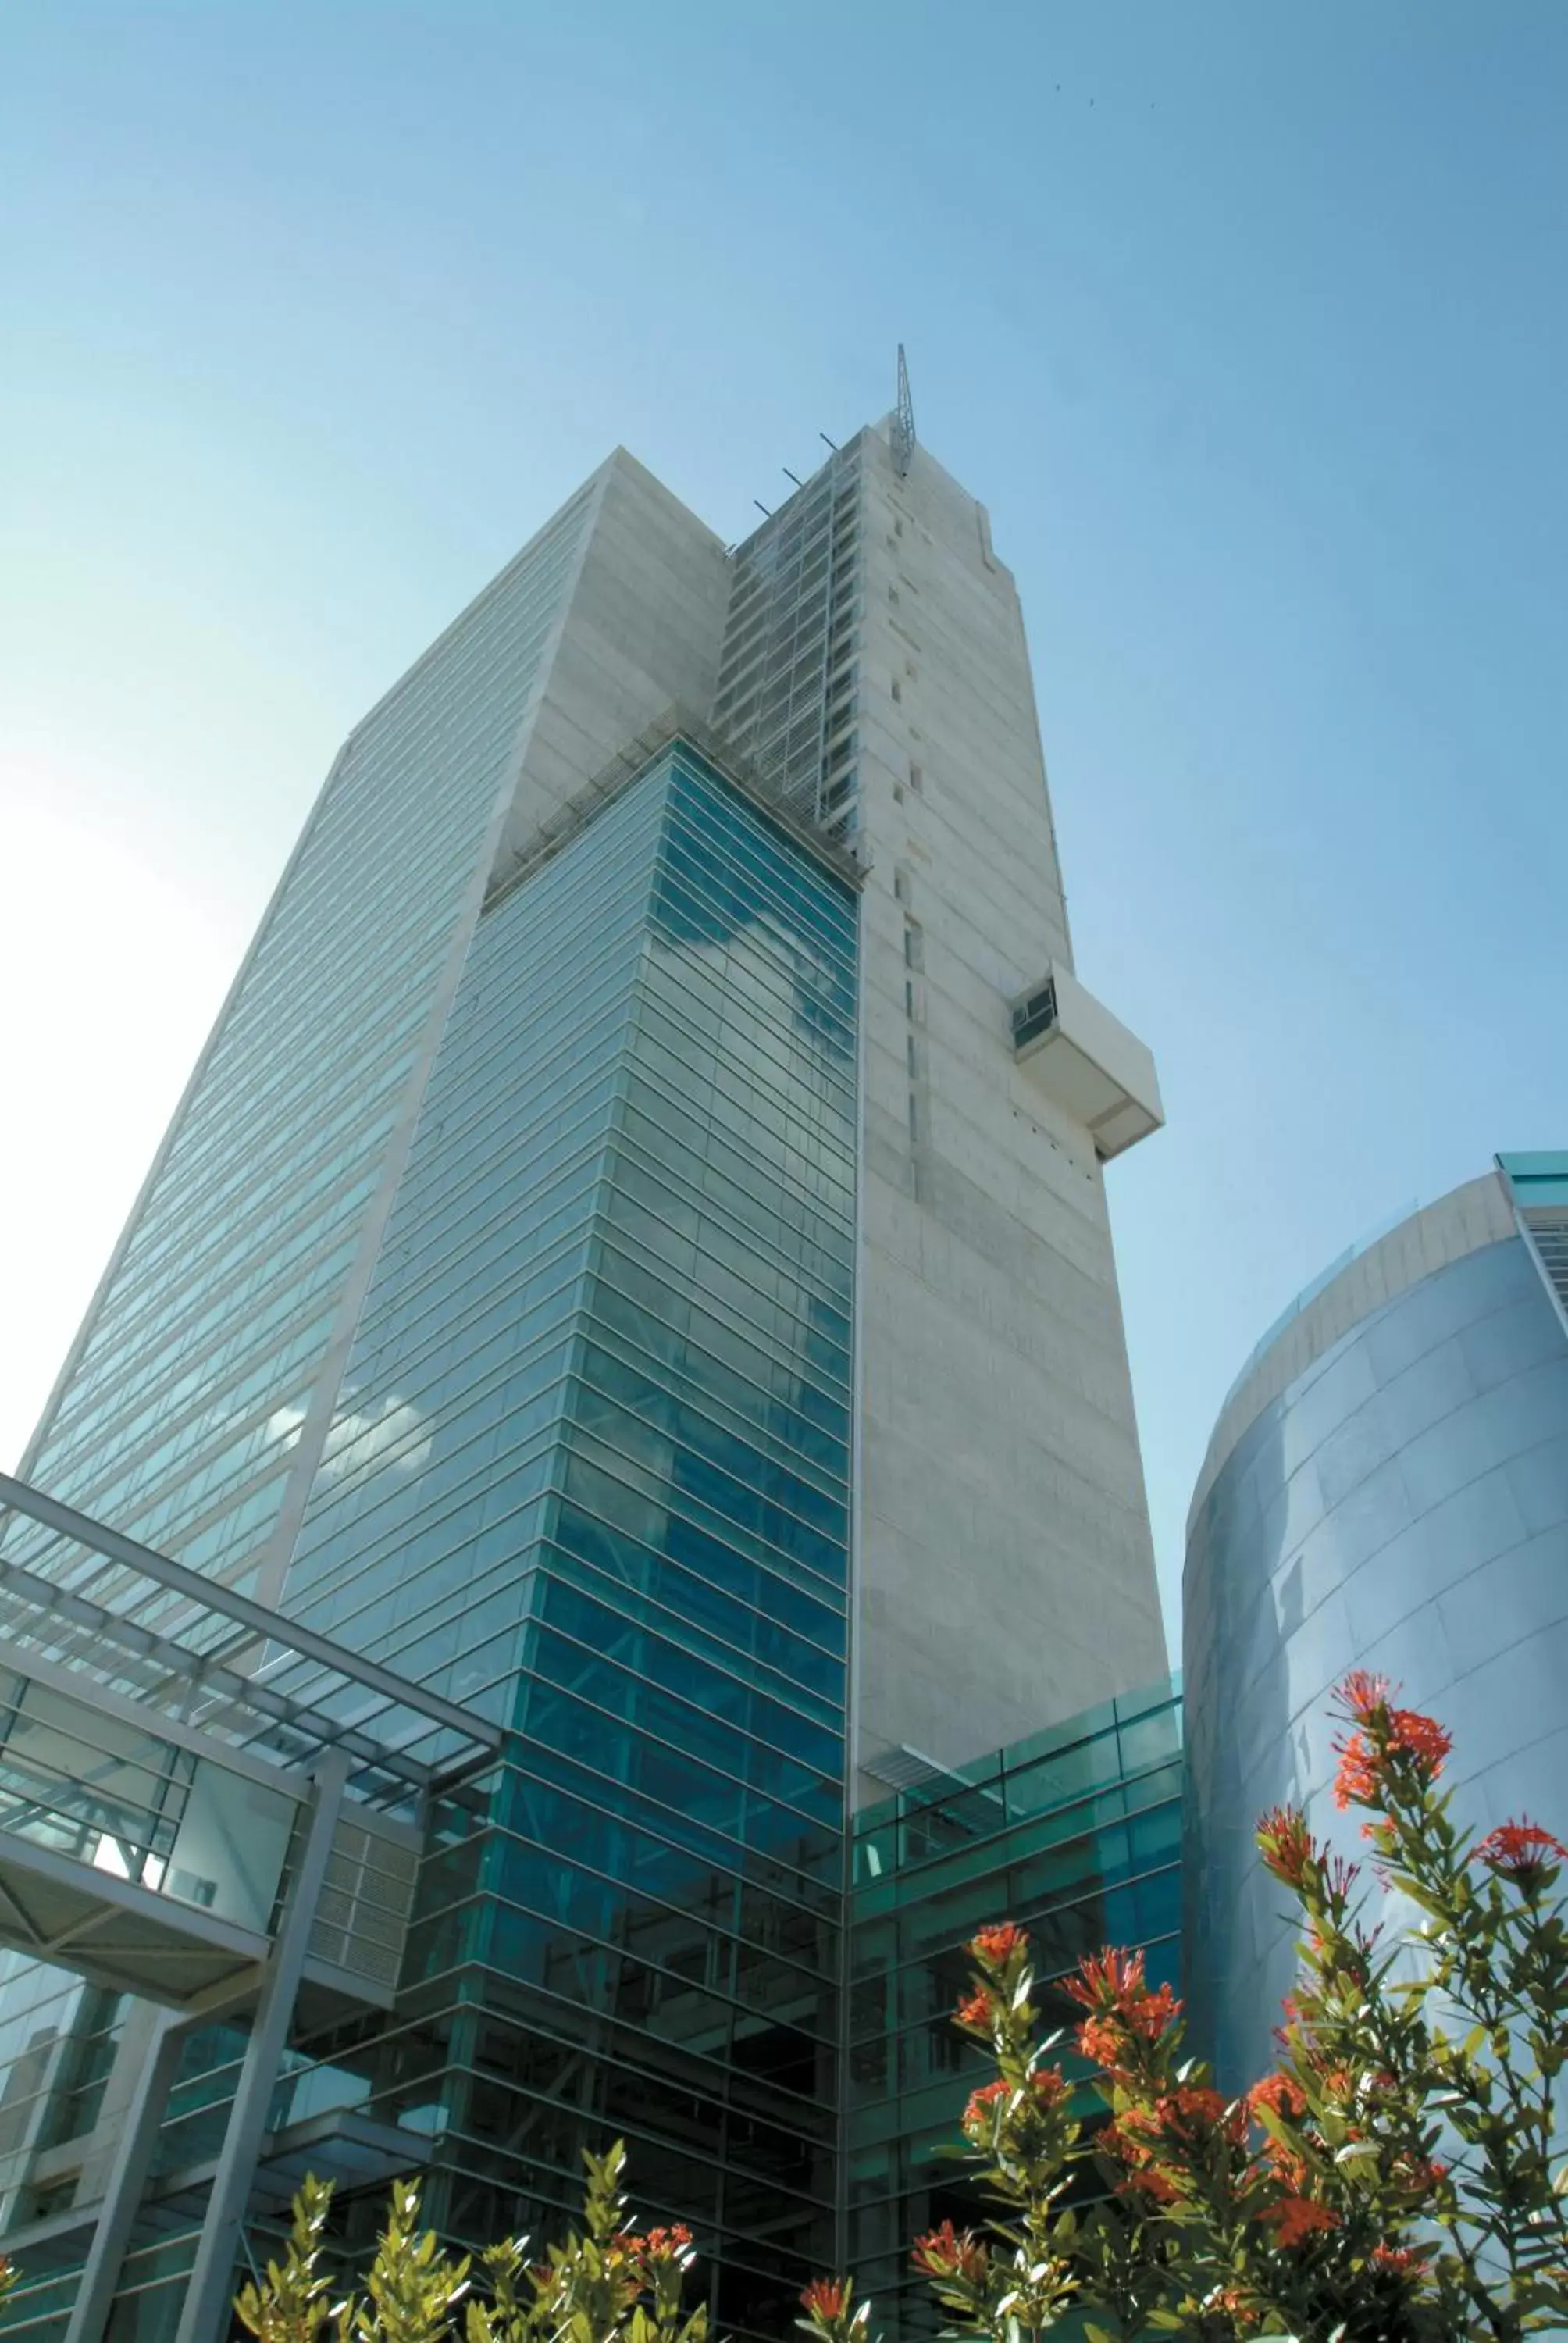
{"x": 1084, "y": 1061}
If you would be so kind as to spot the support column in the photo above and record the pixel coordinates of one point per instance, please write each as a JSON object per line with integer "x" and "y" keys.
{"x": 206, "y": 2316}
{"x": 139, "y": 2125}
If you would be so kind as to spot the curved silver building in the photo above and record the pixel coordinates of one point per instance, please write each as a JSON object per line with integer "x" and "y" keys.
{"x": 1387, "y": 1487}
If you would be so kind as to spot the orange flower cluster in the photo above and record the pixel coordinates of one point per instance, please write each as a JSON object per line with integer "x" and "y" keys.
{"x": 1050, "y": 2086}
{"x": 1282, "y": 2093}
{"x": 975, "y": 2009}
{"x": 1286, "y": 1845}
{"x": 947, "y": 2252}
{"x": 1123, "y": 2009}
{"x": 1522, "y": 1851}
{"x": 1397, "y": 1731}
{"x": 978, "y": 2116}
{"x": 1356, "y": 1780}
{"x": 1295, "y": 2217}
{"x": 1283, "y": 2096}
{"x": 826, "y": 2299}
{"x": 1154, "y": 2142}
{"x": 996, "y": 1945}
{"x": 1420, "y": 2174}
{"x": 1405, "y": 2261}
{"x": 665, "y": 2244}
{"x": 1362, "y": 1695}
{"x": 1185, "y": 2115}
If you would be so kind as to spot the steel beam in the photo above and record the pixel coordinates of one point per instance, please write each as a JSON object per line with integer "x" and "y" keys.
{"x": 127, "y": 2181}
{"x": 206, "y": 2316}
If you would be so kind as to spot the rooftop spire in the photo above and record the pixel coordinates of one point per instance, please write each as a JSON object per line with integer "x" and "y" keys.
{"x": 903, "y": 421}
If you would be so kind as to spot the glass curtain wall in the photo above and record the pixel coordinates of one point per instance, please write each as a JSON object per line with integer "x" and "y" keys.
{"x": 590, "y": 1477}
{"x": 1075, "y": 1834}
{"x": 180, "y": 1418}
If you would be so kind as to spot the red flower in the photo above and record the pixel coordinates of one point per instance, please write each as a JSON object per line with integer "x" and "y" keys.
{"x": 1355, "y": 1784}
{"x": 947, "y": 2252}
{"x": 1049, "y": 2085}
{"x": 1403, "y": 2259}
{"x": 1286, "y": 1843}
{"x": 1405, "y": 2262}
{"x": 1295, "y": 2217}
{"x": 1361, "y": 1694}
{"x": 1112, "y": 1988}
{"x": 1522, "y": 1852}
{"x": 1283, "y": 2093}
{"x": 1115, "y": 1981}
{"x": 1106, "y": 1979}
{"x": 995, "y": 1947}
{"x": 1104, "y": 2041}
{"x": 826, "y": 2299}
{"x": 1422, "y": 2176}
{"x": 980, "y": 2113}
{"x": 1191, "y": 2103}
{"x": 975, "y": 2009}
{"x": 1423, "y": 1738}
{"x": 1394, "y": 1731}
{"x": 666, "y": 2245}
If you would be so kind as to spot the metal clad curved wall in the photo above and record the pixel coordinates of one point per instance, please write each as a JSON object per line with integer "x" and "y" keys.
{"x": 1402, "y": 1504}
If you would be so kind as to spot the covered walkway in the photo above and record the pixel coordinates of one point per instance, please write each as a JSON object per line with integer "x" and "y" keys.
{"x": 216, "y": 1811}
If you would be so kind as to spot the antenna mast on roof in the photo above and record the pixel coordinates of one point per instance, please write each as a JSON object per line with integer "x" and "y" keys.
{"x": 903, "y": 421}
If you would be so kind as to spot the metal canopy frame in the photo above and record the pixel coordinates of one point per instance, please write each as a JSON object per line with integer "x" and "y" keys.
{"x": 223, "y": 1685}
{"x": 85, "y": 1611}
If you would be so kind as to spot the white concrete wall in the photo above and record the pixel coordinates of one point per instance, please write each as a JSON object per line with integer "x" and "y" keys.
{"x": 642, "y": 631}
{"x": 1006, "y": 1570}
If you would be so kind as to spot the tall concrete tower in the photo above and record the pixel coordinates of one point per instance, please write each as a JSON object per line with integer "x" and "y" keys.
{"x": 634, "y": 1257}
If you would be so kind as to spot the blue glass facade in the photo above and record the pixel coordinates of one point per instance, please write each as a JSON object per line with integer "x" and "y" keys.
{"x": 1402, "y": 1504}
{"x": 181, "y": 1419}
{"x": 1075, "y": 1833}
{"x": 590, "y": 1477}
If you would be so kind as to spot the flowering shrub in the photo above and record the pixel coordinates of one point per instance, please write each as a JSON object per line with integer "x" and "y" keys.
{"x": 611, "y": 2283}
{"x": 1391, "y": 2180}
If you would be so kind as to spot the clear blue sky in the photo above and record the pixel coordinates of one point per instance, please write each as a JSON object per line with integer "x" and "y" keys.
{"x": 1248, "y": 322}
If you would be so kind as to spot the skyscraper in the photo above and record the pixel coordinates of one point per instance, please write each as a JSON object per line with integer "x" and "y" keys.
{"x": 634, "y": 1257}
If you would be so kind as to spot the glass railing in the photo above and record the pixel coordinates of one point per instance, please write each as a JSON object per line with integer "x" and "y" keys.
{"x": 1309, "y": 1293}
{"x": 81, "y": 1780}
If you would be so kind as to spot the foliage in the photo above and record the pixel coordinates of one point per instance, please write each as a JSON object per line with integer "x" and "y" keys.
{"x": 1392, "y": 2180}
{"x": 609, "y": 2282}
